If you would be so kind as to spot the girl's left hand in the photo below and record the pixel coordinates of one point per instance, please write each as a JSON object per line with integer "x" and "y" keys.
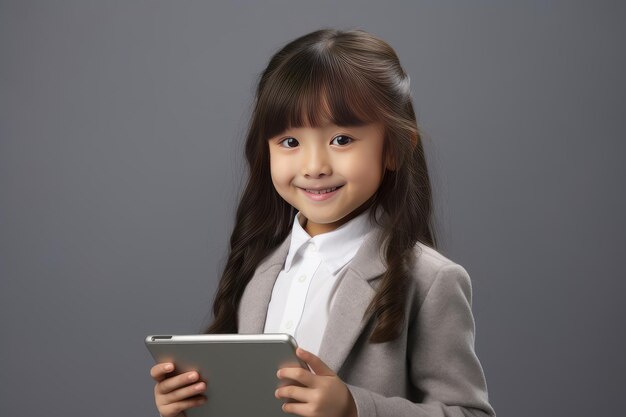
{"x": 323, "y": 393}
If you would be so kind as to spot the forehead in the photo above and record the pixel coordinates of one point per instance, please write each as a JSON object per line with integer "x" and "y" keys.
{"x": 318, "y": 107}
{"x": 329, "y": 128}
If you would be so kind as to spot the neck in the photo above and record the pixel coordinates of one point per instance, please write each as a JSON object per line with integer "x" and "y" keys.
{"x": 314, "y": 229}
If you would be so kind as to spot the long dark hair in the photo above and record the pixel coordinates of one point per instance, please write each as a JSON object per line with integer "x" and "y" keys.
{"x": 350, "y": 78}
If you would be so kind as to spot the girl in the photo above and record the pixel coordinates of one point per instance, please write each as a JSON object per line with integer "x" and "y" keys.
{"x": 333, "y": 243}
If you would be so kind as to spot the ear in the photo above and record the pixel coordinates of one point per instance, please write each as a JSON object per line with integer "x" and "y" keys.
{"x": 414, "y": 140}
{"x": 389, "y": 159}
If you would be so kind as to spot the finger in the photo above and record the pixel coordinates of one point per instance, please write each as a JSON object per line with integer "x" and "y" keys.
{"x": 179, "y": 407}
{"x": 293, "y": 392}
{"x": 159, "y": 371}
{"x": 175, "y": 382}
{"x": 300, "y": 409}
{"x": 300, "y": 375}
{"x": 317, "y": 365}
{"x": 183, "y": 393}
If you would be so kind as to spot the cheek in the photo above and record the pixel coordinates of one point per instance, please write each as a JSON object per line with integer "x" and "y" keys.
{"x": 280, "y": 172}
{"x": 275, "y": 168}
{"x": 365, "y": 171}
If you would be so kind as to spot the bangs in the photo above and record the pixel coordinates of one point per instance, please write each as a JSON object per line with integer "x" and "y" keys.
{"x": 312, "y": 90}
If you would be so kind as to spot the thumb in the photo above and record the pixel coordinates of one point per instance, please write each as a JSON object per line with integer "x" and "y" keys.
{"x": 317, "y": 365}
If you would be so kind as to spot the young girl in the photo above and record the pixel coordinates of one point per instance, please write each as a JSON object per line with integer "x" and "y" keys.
{"x": 333, "y": 244}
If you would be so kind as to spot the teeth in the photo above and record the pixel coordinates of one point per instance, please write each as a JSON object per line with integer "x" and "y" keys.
{"x": 328, "y": 190}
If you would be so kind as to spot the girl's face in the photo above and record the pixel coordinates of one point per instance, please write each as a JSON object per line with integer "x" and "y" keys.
{"x": 326, "y": 173}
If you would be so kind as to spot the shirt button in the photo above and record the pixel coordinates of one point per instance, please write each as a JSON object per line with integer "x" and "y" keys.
{"x": 289, "y": 324}
{"x": 311, "y": 247}
{"x": 302, "y": 278}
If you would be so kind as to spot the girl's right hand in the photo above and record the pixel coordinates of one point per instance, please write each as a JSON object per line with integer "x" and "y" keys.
{"x": 174, "y": 394}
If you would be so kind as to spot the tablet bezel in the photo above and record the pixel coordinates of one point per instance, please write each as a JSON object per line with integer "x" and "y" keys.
{"x": 163, "y": 342}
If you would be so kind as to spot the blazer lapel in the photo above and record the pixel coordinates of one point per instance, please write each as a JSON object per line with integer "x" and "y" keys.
{"x": 345, "y": 322}
{"x": 257, "y": 294}
{"x": 355, "y": 291}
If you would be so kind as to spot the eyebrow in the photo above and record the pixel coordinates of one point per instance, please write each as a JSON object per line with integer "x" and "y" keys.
{"x": 329, "y": 126}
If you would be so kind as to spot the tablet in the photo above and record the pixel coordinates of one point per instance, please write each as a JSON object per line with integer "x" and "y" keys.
{"x": 239, "y": 369}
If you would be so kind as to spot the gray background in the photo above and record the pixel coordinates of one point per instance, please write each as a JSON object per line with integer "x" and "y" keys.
{"x": 121, "y": 130}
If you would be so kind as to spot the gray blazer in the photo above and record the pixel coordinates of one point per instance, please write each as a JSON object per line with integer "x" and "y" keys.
{"x": 431, "y": 369}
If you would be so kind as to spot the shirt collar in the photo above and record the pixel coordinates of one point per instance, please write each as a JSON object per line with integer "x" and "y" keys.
{"x": 336, "y": 248}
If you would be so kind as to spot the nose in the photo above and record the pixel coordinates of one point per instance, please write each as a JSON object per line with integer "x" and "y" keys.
{"x": 316, "y": 163}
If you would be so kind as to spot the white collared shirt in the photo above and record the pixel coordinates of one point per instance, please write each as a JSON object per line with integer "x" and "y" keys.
{"x": 305, "y": 288}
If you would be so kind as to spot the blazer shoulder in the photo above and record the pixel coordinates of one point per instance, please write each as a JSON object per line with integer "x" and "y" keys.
{"x": 430, "y": 265}
{"x": 430, "y": 261}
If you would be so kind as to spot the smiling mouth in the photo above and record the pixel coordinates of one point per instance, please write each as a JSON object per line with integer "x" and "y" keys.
{"x": 325, "y": 191}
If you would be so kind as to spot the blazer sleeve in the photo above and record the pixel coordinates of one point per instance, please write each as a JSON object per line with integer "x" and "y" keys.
{"x": 441, "y": 357}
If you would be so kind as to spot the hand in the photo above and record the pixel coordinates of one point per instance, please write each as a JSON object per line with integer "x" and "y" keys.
{"x": 322, "y": 394}
{"x": 175, "y": 394}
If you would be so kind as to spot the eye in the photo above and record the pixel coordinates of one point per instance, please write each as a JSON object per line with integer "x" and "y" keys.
{"x": 289, "y": 143}
{"x": 341, "y": 140}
